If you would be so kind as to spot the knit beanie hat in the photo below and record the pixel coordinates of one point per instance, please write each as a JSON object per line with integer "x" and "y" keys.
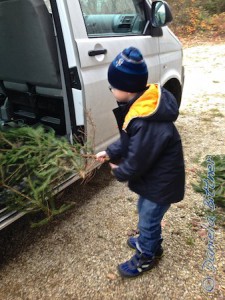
{"x": 128, "y": 71}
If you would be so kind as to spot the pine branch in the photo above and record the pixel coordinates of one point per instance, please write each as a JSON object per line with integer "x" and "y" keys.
{"x": 10, "y": 188}
{"x": 33, "y": 162}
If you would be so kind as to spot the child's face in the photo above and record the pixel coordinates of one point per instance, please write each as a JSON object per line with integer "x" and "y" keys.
{"x": 121, "y": 96}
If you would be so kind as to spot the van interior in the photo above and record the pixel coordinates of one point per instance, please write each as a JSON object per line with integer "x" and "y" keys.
{"x": 30, "y": 81}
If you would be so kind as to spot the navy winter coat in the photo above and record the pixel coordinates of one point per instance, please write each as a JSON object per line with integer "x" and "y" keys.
{"x": 149, "y": 148}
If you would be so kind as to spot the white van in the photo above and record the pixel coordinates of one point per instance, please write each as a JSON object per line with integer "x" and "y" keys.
{"x": 54, "y": 57}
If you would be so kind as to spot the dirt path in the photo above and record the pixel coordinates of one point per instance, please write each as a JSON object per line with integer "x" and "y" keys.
{"x": 76, "y": 256}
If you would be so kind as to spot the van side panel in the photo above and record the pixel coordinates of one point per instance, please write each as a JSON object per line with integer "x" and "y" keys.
{"x": 98, "y": 101}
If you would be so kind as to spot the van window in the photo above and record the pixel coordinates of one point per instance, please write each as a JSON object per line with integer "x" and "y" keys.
{"x": 113, "y": 17}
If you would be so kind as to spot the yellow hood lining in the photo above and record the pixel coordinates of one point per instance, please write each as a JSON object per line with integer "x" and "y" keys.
{"x": 144, "y": 106}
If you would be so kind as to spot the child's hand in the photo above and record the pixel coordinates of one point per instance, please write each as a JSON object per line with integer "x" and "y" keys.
{"x": 102, "y": 156}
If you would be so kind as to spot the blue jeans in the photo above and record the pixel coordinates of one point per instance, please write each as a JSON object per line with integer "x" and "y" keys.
{"x": 149, "y": 225}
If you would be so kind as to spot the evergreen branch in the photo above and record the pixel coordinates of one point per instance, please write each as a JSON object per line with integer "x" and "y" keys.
{"x": 36, "y": 162}
{"x": 13, "y": 174}
{"x": 15, "y": 191}
{"x": 6, "y": 141}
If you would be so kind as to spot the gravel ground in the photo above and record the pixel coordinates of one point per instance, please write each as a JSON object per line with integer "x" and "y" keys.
{"x": 75, "y": 257}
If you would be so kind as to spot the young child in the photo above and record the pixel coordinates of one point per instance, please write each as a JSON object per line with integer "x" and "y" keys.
{"x": 150, "y": 153}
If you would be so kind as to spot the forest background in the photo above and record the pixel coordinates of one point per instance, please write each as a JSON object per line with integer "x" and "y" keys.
{"x": 198, "y": 19}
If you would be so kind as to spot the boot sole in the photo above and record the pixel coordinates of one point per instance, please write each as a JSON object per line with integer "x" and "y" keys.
{"x": 125, "y": 275}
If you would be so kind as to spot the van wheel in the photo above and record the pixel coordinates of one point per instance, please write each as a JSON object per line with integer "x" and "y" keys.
{"x": 174, "y": 87}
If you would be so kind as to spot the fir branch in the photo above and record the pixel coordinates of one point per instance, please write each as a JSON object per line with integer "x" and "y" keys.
{"x": 37, "y": 162}
{"x": 12, "y": 189}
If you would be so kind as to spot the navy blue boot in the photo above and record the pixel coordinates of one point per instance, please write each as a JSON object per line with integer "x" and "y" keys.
{"x": 138, "y": 264}
{"x": 131, "y": 242}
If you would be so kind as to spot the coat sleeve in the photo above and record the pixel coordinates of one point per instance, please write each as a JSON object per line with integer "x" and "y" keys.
{"x": 114, "y": 150}
{"x": 146, "y": 143}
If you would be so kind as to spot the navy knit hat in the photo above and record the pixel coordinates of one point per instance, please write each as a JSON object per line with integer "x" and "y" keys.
{"x": 128, "y": 71}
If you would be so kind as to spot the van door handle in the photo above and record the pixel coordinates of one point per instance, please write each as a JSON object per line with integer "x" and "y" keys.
{"x": 97, "y": 52}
